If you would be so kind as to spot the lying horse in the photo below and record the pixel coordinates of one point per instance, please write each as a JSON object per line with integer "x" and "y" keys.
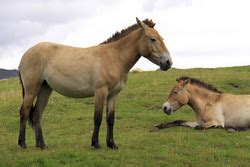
{"x": 212, "y": 107}
{"x": 100, "y": 71}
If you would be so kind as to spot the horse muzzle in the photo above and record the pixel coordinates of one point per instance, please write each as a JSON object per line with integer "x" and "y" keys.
{"x": 165, "y": 62}
{"x": 167, "y": 108}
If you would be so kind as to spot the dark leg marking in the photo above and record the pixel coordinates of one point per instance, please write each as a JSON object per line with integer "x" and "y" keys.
{"x": 110, "y": 123}
{"x": 36, "y": 116}
{"x": 217, "y": 127}
{"x": 97, "y": 120}
{"x": 168, "y": 125}
{"x": 23, "y": 120}
{"x": 231, "y": 129}
{"x": 38, "y": 130}
{"x": 199, "y": 127}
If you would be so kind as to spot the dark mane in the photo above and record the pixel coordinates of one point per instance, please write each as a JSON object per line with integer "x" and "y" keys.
{"x": 199, "y": 83}
{"x": 124, "y": 32}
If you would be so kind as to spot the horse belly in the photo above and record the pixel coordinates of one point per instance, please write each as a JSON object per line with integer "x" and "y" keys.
{"x": 71, "y": 87}
{"x": 239, "y": 118}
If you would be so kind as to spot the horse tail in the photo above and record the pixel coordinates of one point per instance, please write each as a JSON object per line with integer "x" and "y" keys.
{"x": 32, "y": 107}
{"x": 21, "y": 82}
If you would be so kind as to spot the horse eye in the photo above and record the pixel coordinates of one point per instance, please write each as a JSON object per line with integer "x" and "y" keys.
{"x": 152, "y": 39}
{"x": 175, "y": 92}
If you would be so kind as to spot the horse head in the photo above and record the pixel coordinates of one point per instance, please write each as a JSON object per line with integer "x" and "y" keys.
{"x": 152, "y": 47}
{"x": 178, "y": 97}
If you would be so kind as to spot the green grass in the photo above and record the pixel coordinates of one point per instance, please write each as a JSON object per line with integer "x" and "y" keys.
{"x": 68, "y": 125}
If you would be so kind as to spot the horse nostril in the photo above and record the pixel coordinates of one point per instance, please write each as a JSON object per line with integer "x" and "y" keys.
{"x": 164, "y": 108}
{"x": 169, "y": 63}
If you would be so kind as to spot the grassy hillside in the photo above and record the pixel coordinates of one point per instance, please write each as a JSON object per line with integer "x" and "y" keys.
{"x": 68, "y": 124}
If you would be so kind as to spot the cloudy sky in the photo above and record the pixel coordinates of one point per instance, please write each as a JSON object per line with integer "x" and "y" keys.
{"x": 198, "y": 33}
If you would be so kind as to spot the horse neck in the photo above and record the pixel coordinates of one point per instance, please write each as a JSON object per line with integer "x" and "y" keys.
{"x": 201, "y": 98}
{"x": 126, "y": 49}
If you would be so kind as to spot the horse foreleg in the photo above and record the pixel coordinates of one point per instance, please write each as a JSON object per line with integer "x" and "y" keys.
{"x": 168, "y": 125}
{"x": 110, "y": 118}
{"x": 100, "y": 97}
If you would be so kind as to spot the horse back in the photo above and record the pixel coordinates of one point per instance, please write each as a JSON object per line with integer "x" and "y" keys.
{"x": 71, "y": 71}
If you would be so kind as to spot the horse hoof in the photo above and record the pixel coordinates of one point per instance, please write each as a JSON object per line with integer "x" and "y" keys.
{"x": 96, "y": 145}
{"x": 111, "y": 144}
{"x": 23, "y": 145}
{"x": 199, "y": 127}
{"x": 43, "y": 147}
{"x": 231, "y": 130}
{"x": 219, "y": 127}
{"x": 154, "y": 129}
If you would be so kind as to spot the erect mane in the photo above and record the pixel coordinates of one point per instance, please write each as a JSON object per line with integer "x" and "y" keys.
{"x": 200, "y": 83}
{"x": 118, "y": 35}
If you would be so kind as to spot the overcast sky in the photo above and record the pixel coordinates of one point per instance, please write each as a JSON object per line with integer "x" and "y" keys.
{"x": 198, "y": 33}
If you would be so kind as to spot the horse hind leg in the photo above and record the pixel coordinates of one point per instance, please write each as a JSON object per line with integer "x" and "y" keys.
{"x": 35, "y": 117}
{"x": 25, "y": 109}
{"x": 209, "y": 125}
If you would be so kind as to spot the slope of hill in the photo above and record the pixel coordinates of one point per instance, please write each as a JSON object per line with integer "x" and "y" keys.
{"x": 68, "y": 125}
{"x": 7, "y": 73}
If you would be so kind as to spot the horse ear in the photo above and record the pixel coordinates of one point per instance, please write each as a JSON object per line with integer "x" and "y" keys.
{"x": 187, "y": 81}
{"x": 141, "y": 24}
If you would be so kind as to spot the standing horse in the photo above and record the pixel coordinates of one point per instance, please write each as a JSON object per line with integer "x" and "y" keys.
{"x": 212, "y": 107}
{"x": 100, "y": 71}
